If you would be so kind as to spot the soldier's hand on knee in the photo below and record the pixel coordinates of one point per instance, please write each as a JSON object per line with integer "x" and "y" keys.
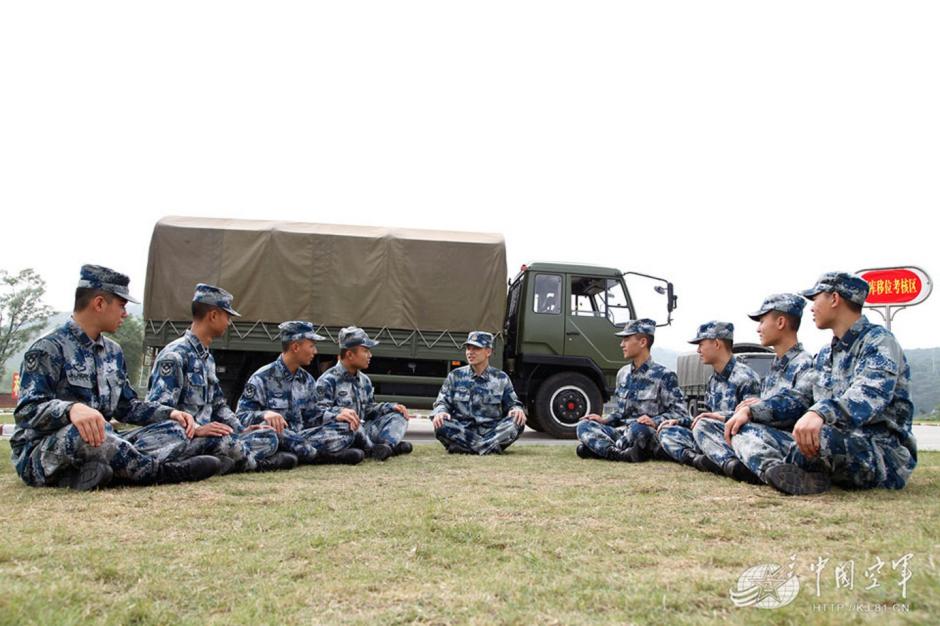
{"x": 707, "y": 416}
{"x": 213, "y": 429}
{"x": 88, "y": 422}
{"x": 592, "y": 417}
{"x": 185, "y": 420}
{"x": 275, "y": 421}
{"x": 401, "y": 408}
{"x": 665, "y": 424}
{"x": 806, "y": 432}
{"x": 746, "y": 402}
{"x": 350, "y": 417}
{"x": 646, "y": 420}
{"x": 741, "y": 417}
{"x": 518, "y": 416}
{"x": 438, "y": 419}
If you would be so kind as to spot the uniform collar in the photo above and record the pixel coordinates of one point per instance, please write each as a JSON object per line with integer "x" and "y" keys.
{"x": 858, "y": 329}
{"x": 788, "y": 356}
{"x": 726, "y": 373}
{"x": 344, "y": 373}
{"x": 647, "y": 364}
{"x": 81, "y": 336}
{"x": 201, "y": 351}
{"x": 281, "y": 370}
{"x": 484, "y": 374}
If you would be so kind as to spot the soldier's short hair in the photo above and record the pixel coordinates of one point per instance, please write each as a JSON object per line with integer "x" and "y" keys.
{"x": 343, "y": 351}
{"x": 793, "y": 322}
{"x": 854, "y": 307}
{"x": 84, "y": 296}
{"x": 201, "y": 310}
{"x": 649, "y": 339}
{"x": 285, "y": 345}
{"x": 728, "y": 343}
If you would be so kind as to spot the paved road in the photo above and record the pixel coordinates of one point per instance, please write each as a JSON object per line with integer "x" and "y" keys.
{"x": 420, "y": 430}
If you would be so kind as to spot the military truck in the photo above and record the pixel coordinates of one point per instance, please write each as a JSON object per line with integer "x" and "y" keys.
{"x": 693, "y": 374}
{"x": 418, "y": 292}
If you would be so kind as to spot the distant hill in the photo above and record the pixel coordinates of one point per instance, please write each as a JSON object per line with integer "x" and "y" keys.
{"x": 925, "y": 379}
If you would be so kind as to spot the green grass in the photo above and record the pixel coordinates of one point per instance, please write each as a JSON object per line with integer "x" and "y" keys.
{"x": 536, "y": 536}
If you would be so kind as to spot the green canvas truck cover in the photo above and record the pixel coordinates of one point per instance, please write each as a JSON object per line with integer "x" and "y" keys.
{"x": 330, "y": 274}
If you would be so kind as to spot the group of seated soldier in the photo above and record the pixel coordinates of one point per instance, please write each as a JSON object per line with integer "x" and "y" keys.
{"x": 843, "y": 418}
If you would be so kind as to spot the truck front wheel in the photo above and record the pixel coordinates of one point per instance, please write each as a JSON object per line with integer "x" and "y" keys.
{"x": 563, "y": 399}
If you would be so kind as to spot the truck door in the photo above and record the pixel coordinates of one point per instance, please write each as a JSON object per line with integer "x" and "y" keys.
{"x": 544, "y": 328}
{"x": 596, "y": 306}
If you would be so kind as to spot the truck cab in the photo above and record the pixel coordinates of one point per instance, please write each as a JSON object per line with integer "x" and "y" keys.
{"x": 560, "y": 349}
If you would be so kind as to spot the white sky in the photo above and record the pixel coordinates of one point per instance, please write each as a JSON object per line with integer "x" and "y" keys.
{"x": 737, "y": 148}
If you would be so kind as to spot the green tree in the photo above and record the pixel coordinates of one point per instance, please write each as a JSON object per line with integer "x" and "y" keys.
{"x": 22, "y": 313}
{"x": 131, "y": 337}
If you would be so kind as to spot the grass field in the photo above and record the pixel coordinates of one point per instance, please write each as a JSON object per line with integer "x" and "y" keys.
{"x": 535, "y": 536}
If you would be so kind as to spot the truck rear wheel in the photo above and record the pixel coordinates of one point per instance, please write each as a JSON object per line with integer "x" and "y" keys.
{"x": 563, "y": 399}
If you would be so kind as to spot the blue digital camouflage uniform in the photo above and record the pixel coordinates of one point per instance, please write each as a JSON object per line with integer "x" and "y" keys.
{"x": 862, "y": 392}
{"x": 338, "y": 389}
{"x": 294, "y": 397}
{"x": 785, "y": 393}
{"x": 723, "y": 391}
{"x": 184, "y": 377}
{"x": 67, "y": 367}
{"x": 649, "y": 390}
{"x": 478, "y": 406}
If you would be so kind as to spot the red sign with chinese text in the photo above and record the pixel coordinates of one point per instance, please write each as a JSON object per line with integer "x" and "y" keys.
{"x": 898, "y": 286}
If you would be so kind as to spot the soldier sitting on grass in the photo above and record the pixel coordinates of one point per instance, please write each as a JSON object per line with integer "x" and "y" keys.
{"x": 477, "y": 411}
{"x": 857, "y": 434}
{"x": 647, "y": 395}
{"x": 345, "y": 390}
{"x": 73, "y": 381}
{"x": 731, "y": 382}
{"x": 785, "y": 395}
{"x": 184, "y": 376}
{"x": 283, "y": 395}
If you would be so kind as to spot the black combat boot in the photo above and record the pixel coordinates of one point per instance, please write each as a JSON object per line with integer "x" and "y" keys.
{"x": 349, "y": 456}
{"x": 704, "y": 464}
{"x": 795, "y": 481}
{"x": 279, "y": 461}
{"x": 91, "y": 475}
{"x": 402, "y": 447}
{"x": 226, "y": 465}
{"x": 633, "y": 454}
{"x": 381, "y": 452}
{"x": 585, "y": 453}
{"x": 739, "y": 471}
{"x": 191, "y": 470}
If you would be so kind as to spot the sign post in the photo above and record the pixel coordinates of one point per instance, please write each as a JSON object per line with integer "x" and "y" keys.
{"x": 891, "y": 289}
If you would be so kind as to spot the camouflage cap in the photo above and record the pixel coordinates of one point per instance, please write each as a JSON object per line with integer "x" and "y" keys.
{"x": 353, "y": 336}
{"x": 851, "y": 287}
{"x": 480, "y": 339}
{"x": 216, "y": 296}
{"x": 788, "y": 303}
{"x": 297, "y": 330}
{"x": 105, "y": 279}
{"x": 714, "y": 330}
{"x": 643, "y": 326}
